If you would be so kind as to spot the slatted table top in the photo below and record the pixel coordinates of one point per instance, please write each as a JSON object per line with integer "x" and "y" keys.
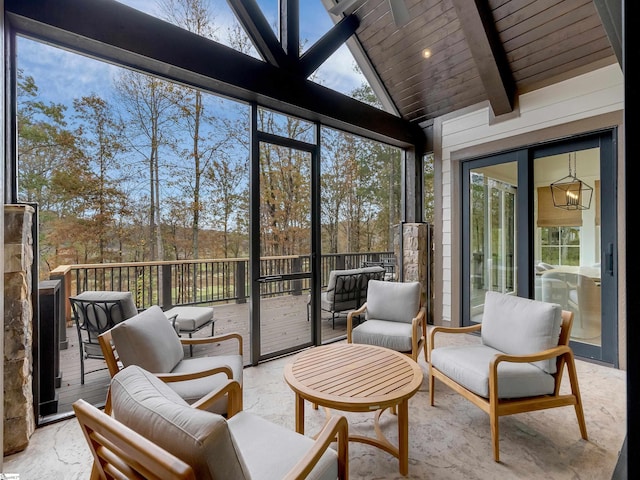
{"x": 353, "y": 377}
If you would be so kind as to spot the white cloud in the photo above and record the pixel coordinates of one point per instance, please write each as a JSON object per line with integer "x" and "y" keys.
{"x": 338, "y": 72}
{"x": 61, "y": 75}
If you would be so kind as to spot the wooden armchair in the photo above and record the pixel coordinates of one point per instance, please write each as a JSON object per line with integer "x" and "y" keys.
{"x": 241, "y": 446}
{"x": 395, "y": 318}
{"x": 149, "y": 341}
{"x": 119, "y": 452}
{"x": 524, "y": 348}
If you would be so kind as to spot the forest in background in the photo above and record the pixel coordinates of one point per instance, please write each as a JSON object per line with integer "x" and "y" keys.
{"x": 160, "y": 171}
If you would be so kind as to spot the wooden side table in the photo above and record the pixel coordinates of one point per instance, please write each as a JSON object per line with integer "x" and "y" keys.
{"x": 358, "y": 378}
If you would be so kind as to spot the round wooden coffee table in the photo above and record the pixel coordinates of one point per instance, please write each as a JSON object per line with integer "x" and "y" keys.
{"x": 358, "y": 378}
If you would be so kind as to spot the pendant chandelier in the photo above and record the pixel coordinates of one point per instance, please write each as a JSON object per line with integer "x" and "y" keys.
{"x": 570, "y": 192}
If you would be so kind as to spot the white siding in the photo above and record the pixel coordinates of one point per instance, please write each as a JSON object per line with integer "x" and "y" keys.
{"x": 591, "y": 94}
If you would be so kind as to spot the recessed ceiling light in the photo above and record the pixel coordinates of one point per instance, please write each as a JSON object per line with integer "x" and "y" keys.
{"x": 426, "y": 53}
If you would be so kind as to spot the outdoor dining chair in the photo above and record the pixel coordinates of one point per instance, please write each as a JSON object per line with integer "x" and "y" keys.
{"x": 95, "y": 312}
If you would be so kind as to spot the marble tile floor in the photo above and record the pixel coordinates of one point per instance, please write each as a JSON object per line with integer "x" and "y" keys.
{"x": 447, "y": 442}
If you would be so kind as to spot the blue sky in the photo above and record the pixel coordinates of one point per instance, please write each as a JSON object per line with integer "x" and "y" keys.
{"x": 64, "y": 76}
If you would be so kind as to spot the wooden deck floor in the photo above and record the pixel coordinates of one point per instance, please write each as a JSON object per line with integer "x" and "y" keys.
{"x": 284, "y": 324}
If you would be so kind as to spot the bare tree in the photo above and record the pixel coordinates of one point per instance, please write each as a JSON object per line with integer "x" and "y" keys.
{"x": 149, "y": 103}
{"x": 100, "y": 139}
{"x": 205, "y": 138}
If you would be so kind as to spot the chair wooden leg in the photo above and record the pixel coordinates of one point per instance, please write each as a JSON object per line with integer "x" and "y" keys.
{"x": 431, "y": 387}
{"x": 494, "y": 419}
{"x": 495, "y": 437}
{"x": 575, "y": 390}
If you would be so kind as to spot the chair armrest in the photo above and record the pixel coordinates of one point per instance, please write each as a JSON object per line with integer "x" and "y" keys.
{"x": 232, "y": 388}
{"x": 350, "y": 315}
{"x": 434, "y": 330}
{"x": 418, "y": 323}
{"x": 533, "y": 357}
{"x": 181, "y": 377}
{"x": 336, "y": 426}
{"x": 419, "y": 319}
{"x": 560, "y": 350}
{"x": 216, "y": 339}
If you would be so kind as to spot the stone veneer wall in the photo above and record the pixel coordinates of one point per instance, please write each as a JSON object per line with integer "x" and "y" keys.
{"x": 19, "y": 421}
{"x": 414, "y": 255}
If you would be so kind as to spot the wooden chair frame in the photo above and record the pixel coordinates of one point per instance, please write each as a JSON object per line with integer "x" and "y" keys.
{"x": 114, "y": 365}
{"x": 119, "y": 452}
{"x": 126, "y": 446}
{"x": 418, "y": 330}
{"x": 497, "y": 407}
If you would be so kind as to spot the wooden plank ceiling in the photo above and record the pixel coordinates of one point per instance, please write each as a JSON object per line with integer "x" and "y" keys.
{"x": 482, "y": 50}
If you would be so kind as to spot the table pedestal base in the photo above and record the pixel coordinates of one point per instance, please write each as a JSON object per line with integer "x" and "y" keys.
{"x": 401, "y": 451}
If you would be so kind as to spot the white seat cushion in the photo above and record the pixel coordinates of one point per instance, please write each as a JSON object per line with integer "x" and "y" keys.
{"x": 393, "y": 335}
{"x": 270, "y": 450}
{"x": 469, "y": 366}
{"x": 193, "y": 390}
{"x": 190, "y": 319}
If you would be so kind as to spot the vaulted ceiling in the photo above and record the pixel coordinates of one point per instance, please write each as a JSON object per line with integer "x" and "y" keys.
{"x": 456, "y": 53}
{"x": 449, "y": 55}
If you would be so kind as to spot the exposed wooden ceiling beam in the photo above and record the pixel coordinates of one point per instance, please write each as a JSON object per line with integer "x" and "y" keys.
{"x": 327, "y": 45}
{"x": 120, "y": 34}
{"x": 257, "y": 27}
{"x": 488, "y": 53}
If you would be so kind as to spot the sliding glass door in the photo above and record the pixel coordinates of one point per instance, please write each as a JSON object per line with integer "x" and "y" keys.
{"x": 541, "y": 223}
{"x": 492, "y": 235}
{"x": 567, "y": 253}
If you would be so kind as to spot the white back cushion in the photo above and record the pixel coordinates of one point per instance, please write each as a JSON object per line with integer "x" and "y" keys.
{"x": 200, "y": 438}
{"x": 393, "y": 301}
{"x": 519, "y": 326}
{"x": 149, "y": 341}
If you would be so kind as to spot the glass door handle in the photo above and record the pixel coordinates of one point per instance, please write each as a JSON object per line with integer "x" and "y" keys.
{"x": 609, "y": 257}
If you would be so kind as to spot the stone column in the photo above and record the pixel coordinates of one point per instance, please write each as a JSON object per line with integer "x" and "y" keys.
{"x": 414, "y": 254}
{"x": 19, "y": 421}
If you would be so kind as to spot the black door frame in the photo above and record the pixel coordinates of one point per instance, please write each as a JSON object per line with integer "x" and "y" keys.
{"x": 524, "y": 157}
{"x": 256, "y": 137}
